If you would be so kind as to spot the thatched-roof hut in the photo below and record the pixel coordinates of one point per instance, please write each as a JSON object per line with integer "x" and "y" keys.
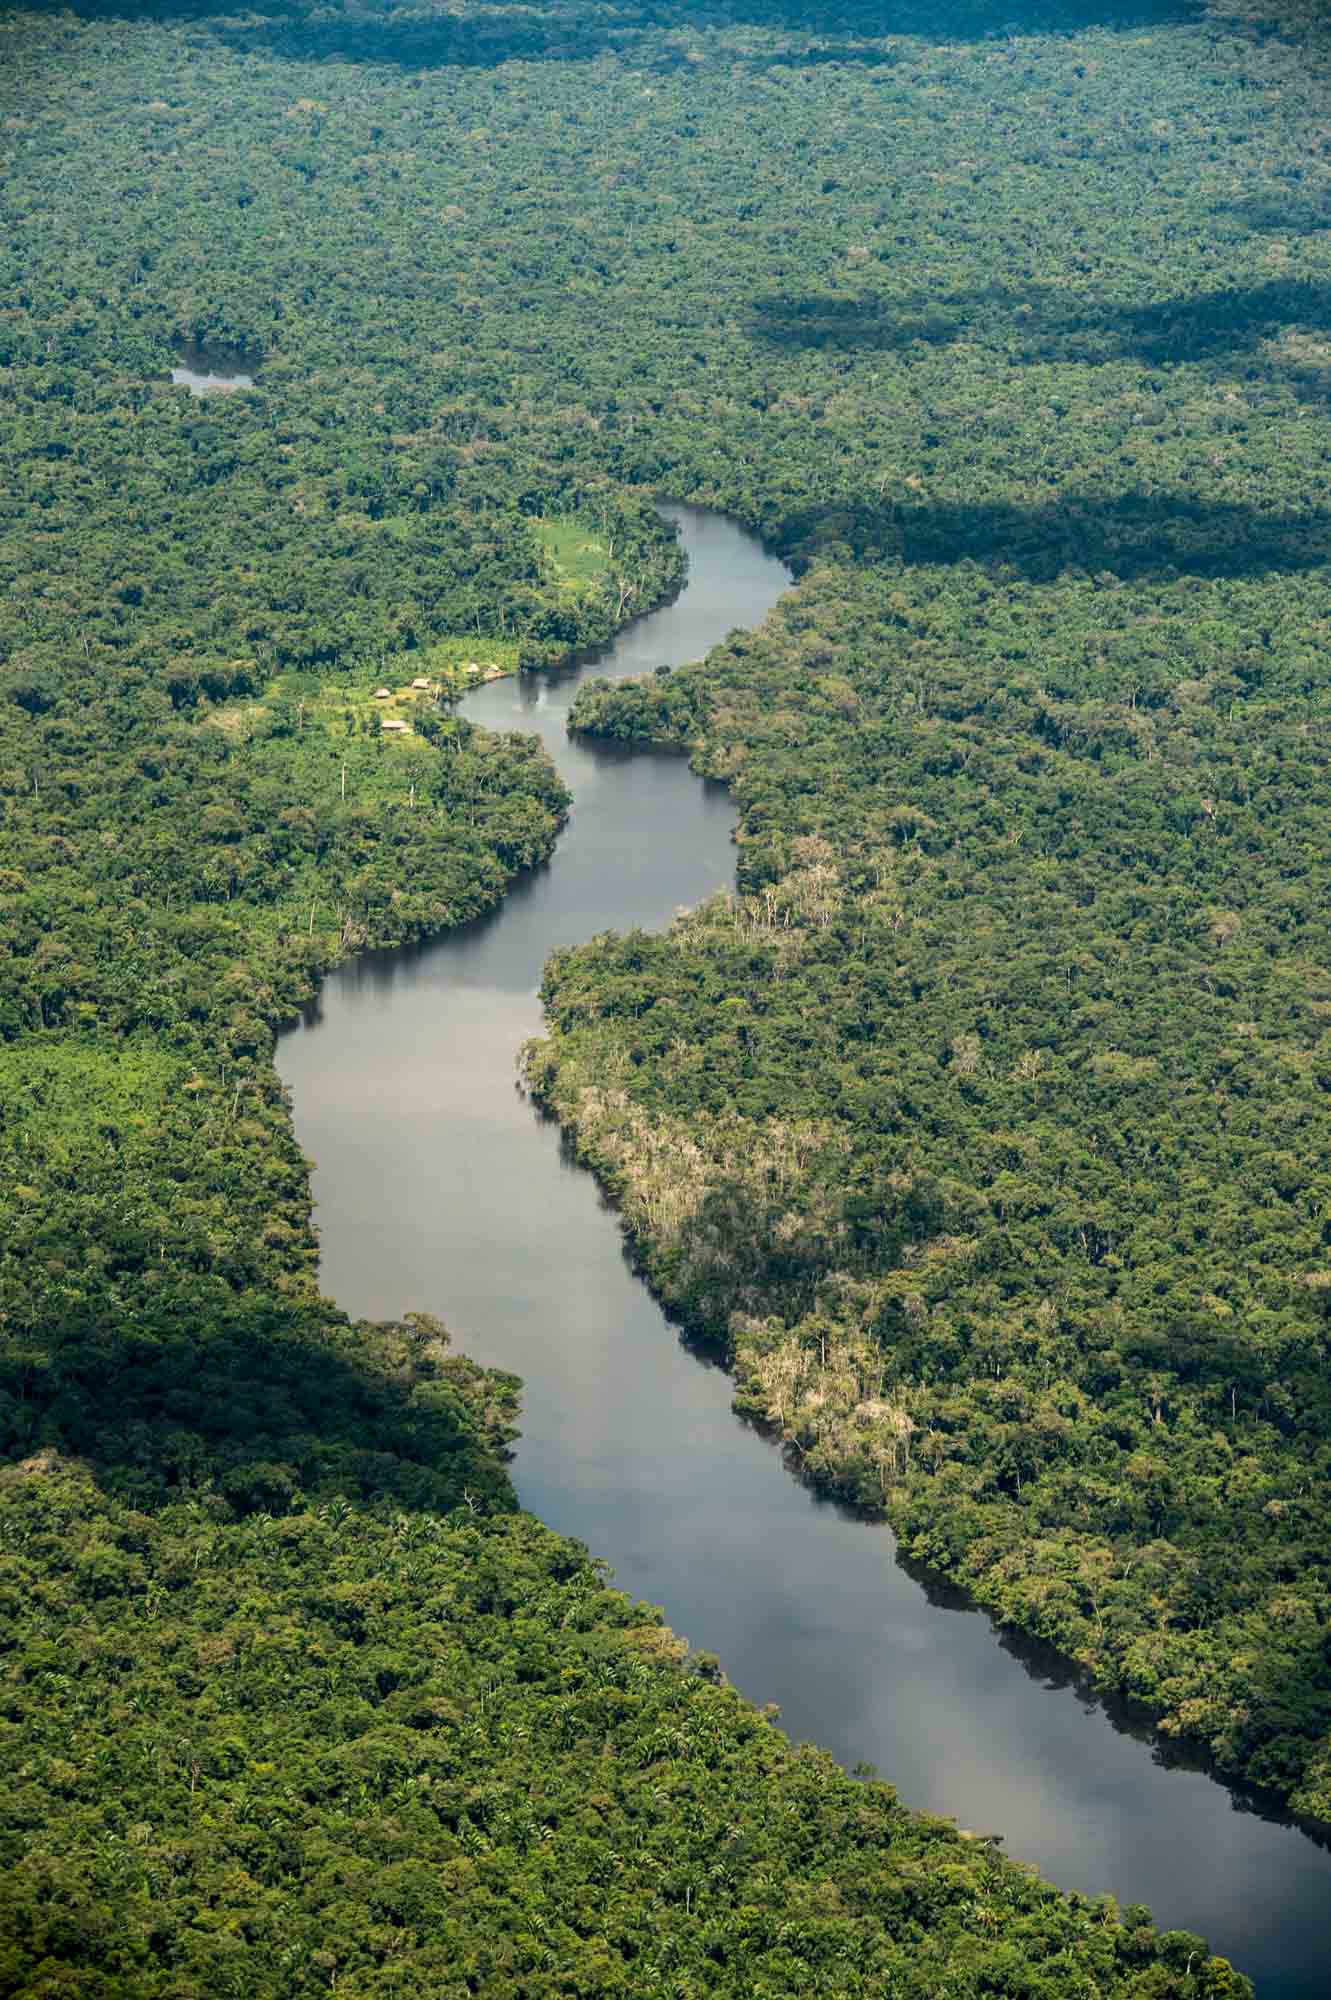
{"x": 398, "y": 728}
{"x": 421, "y": 682}
{"x": 383, "y": 694}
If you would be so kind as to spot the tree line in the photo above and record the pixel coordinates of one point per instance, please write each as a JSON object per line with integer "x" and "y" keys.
{"x": 981, "y": 1127}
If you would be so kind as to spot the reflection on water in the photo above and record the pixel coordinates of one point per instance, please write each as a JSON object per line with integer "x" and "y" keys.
{"x": 213, "y": 369}
{"x": 439, "y": 1187}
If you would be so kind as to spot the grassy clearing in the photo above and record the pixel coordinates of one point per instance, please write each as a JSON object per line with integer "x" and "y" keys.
{"x": 465, "y": 663}
{"x": 299, "y": 701}
{"x": 578, "y": 557}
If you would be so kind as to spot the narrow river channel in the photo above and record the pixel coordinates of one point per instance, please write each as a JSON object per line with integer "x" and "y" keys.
{"x": 440, "y": 1188}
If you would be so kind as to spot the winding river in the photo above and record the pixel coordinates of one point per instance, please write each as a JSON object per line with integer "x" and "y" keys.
{"x": 439, "y": 1187}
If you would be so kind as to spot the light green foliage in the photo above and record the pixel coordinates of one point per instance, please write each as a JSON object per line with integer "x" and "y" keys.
{"x": 578, "y": 558}
{"x": 462, "y": 663}
{"x": 1011, "y": 335}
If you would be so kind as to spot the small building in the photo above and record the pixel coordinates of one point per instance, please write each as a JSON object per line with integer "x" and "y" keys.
{"x": 421, "y": 683}
{"x": 398, "y": 728}
{"x": 383, "y": 694}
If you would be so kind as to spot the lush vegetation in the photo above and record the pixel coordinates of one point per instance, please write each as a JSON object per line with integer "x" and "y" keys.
{"x": 426, "y": 1751}
{"x": 986, "y": 1129}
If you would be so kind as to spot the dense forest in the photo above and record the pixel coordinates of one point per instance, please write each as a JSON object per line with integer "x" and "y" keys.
{"x": 983, "y": 1129}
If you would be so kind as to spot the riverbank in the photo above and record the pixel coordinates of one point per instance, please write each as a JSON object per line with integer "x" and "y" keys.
{"x": 403, "y": 1084}
{"x": 282, "y": 1663}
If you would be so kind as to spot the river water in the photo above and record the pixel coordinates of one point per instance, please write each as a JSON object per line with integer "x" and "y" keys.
{"x": 440, "y": 1188}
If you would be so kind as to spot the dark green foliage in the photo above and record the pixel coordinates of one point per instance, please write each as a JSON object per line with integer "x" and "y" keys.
{"x": 1037, "y": 950}
{"x": 1007, "y": 1077}
{"x": 430, "y": 1753}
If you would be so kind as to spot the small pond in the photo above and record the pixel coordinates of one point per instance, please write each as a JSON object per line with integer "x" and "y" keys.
{"x": 213, "y": 368}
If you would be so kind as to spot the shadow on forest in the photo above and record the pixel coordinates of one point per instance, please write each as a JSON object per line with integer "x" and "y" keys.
{"x": 426, "y": 36}
{"x": 257, "y": 1398}
{"x": 1283, "y": 211}
{"x": 1039, "y": 326}
{"x": 1127, "y": 535}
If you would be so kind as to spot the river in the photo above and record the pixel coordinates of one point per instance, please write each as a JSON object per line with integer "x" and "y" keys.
{"x": 439, "y": 1187}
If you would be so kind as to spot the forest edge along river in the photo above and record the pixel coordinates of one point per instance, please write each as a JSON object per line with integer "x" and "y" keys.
{"x": 441, "y": 1188}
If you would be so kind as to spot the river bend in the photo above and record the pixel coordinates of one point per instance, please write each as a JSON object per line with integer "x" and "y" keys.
{"x": 440, "y": 1188}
